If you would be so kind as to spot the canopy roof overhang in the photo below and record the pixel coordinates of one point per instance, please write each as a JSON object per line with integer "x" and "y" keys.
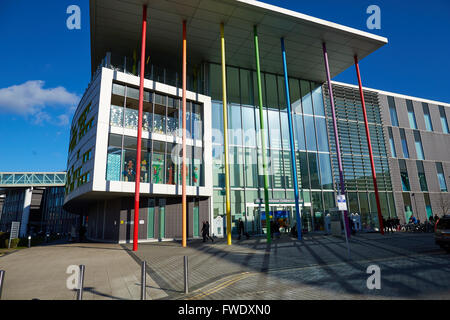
{"x": 116, "y": 27}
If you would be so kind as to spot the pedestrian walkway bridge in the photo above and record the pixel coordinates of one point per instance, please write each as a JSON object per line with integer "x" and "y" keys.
{"x": 32, "y": 179}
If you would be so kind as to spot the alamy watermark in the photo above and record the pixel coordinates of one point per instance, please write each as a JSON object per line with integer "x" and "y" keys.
{"x": 73, "y": 22}
{"x": 374, "y": 280}
{"x": 73, "y": 281}
{"x": 374, "y": 21}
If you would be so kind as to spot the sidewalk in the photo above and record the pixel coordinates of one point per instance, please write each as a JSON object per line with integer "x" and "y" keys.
{"x": 211, "y": 263}
{"x": 40, "y": 273}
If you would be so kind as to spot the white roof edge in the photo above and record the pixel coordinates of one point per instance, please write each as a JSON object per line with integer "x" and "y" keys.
{"x": 314, "y": 20}
{"x": 398, "y": 95}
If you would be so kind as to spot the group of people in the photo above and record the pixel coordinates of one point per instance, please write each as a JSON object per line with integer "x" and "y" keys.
{"x": 391, "y": 224}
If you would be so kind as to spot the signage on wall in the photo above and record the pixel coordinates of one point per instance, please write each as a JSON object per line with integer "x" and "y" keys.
{"x": 342, "y": 203}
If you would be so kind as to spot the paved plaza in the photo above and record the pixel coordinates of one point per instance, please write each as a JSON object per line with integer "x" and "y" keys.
{"x": 412, "y": 267}
{"x": 40, "y": 273}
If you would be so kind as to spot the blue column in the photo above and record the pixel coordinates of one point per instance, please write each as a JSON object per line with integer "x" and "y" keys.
{"x": 291, "y": 138}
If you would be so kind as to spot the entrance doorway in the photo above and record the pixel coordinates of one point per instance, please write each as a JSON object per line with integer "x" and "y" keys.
{"x": 255, "y": 218}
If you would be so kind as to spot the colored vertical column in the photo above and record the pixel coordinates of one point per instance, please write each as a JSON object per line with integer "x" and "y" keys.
{"x": 372, "y": 163}
{"x": 336, "y": 137}
{"x": 225, "y": 133}
{"x": 263, "y": 139}
{"x": 291, "y": 138}
{"x": 139, "y": 133}
{"x": 183, "y": 166}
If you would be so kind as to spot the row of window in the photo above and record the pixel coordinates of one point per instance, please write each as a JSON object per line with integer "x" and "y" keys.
{"x": 421, "y": 175}
{"x": 160, "y": 162}
{"x": 81, "y": 127}
{"x": 161, "y": 113}
{"x": 306, "y": 97}
{"x": 412, "y": 116}
{"x": 417, "y": 143}
{"x": 244, "y": 128}
{"x": 76, "y": 178}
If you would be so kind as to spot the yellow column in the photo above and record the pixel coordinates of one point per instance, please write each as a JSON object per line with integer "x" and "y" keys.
{"x": 225, "y": 134}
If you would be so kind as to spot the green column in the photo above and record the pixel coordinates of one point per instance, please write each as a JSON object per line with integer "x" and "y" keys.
{"x": 263, "y": 139}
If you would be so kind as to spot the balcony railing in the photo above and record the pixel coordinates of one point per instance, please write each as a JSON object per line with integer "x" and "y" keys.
{"x": 168, "y": 76}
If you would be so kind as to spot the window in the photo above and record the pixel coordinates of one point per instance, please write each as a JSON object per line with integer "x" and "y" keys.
{"x": 306, "y": 97}
{"x": 404, "y": 175}
{"x": 404, "y": 144}
{"x": 443, "y": 120}
{"x": 113, "y": 165}
{"x": 298, "y": 131}
{"x": 322, "y": 135}
{"x": 318, "y": 100}
{"x": 427, "y": 116}
{"x": 422, "y": 178}
{"x": 441, "y": 177}
{"x": 310, "y": 133}
{"x": 411, "y": 115}
{"x": 393, "y": 111}
{"x": 428, "y": 205}
{"x": 418, "y": 143}
{"x": 391, "y": 142}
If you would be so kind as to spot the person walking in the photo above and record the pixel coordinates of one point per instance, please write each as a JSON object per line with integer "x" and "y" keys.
{"x": 207, "y": 232}
{"x": 241, "y": 229}
{"x": 204, "y": 233}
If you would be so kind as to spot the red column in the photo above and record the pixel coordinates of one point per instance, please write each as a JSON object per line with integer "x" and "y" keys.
{"x": 183, "y": 170}
{"x": 139, "y": 135}
{"x": 372, "y": 163}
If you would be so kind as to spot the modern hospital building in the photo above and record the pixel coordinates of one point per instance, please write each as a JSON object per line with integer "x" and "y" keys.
{"x": 409, "y": 136}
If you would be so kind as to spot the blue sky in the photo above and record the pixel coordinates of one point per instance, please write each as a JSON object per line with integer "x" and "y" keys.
{"x": 46, "y": 67}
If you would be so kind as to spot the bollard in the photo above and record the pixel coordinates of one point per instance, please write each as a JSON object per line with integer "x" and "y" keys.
{"x": 143, "y": 281}
{"x": 81, "y": 283}
{"x": 29, "y": 241}
{"x": 186, "y": 279}
{"x": 2, "y": 277}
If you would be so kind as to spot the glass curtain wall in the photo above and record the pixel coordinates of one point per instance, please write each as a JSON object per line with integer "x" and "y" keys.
{"x": 313, "y": 161}
{"x": 160, "y": 160}
{"x": 355, "y": 152}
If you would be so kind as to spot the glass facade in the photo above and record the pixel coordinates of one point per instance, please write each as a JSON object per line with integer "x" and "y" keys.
{"x": 393, "y": 111}
{"x": 313, "y": 161}
{"x": 391, "y": 143}
{"x": 411, "y": 115}
{"x": 444, "y": 122}
{"x": 404, "y": 175}
{"x": 422, "y": 177}
{"x": 355, "y": 152}
{"x": 441, "y": 177}
{"x": 404, "y": 144}
{"x": 160, "y": 160}
{"x": 427, "y": 116}
{"x": 419, "y": 147}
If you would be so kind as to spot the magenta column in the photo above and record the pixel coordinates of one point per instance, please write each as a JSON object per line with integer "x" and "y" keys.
{"x": 336, "y": 137}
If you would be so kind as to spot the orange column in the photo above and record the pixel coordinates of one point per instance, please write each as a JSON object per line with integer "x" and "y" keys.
{"x": 183, "y": 170}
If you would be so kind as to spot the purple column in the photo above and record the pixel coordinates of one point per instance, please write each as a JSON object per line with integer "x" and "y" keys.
{"x": 336, "y": 137}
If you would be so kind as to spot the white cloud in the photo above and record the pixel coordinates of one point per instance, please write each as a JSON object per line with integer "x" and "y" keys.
{"x": 31, "y": 99}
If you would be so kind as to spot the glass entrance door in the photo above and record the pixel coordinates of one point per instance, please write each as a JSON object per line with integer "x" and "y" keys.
{"x": 253, "y": 221}
{"x": 307, "y": 221}
{"x": 162, "y": 218}
{"x": 151, "y": 219}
